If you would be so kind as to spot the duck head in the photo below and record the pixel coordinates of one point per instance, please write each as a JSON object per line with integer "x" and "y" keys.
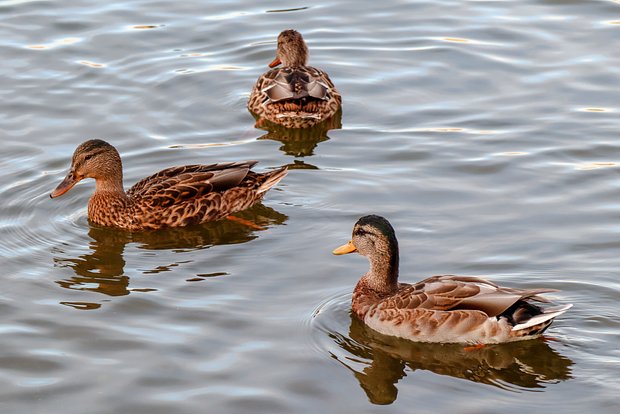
{"x": 374, "y": 237}
{"x": 292, "y": 50}
{"x": 96, "y": 159}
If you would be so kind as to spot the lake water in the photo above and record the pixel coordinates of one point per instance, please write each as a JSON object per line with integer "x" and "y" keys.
{"x": 487, "y": 132}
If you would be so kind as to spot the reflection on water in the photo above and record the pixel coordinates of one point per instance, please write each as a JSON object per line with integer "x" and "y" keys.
{"x": 102, "y": 269}
{"x": 299, "y": 142}
{"x": 524, "y": 365}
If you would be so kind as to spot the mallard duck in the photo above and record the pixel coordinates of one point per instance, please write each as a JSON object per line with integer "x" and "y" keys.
{"x": 441, "y": 308}
{"x": 174, "y": 197}
{"x": 294, "y": 95}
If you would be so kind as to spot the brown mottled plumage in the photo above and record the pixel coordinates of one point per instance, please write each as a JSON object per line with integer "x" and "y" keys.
{"x": 174, "y": 197}
{"x": 295, "y": 95}
{"x": 441, "y": 308}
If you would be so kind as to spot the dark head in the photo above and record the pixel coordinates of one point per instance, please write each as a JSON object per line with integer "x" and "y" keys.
{"x": 96, "y": 159}
{"x": 292, "y": 50}
{"x": 374, "y": 237}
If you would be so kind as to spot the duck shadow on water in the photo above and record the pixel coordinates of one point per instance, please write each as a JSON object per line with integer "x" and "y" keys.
{"x": 517, "y": 366}
{"x": 102, "y": 269}
{"x": 299, "y": 142}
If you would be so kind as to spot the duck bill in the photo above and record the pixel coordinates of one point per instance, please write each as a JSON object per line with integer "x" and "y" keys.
{"x": 66, "y": 185}
{"x": 275, "y": 63}
{"x": 345, "y": 249}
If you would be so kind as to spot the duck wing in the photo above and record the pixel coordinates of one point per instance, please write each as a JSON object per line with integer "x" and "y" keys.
{"x": 177, "y": 184}
{"x": 451, "y": 293}
{"x": 296, "y": 83}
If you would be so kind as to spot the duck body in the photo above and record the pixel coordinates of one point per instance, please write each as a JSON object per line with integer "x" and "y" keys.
{"x": 447, "y": 308}
{"x": 174, "y": 197}
{"x": 295, "y": 95}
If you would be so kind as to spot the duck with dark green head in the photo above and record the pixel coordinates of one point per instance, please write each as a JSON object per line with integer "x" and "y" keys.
{"x": 443, "y": 308}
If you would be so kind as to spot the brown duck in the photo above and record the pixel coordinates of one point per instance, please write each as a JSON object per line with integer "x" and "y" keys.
{"x": 441, "y": 308}
{"x": 294, "y": 95}
{"x": 174, "y": 197}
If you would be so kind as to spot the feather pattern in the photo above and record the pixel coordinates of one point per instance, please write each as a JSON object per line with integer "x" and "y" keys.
{"x": 294, "y": 95}
{"x": 173, "y": 197}
{"x": 444, "y": 308}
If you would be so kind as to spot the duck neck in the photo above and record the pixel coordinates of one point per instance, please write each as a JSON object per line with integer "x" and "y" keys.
{"x": 107, "y": 205}
{"x": 296, "y": 57}
{"x": 383, "y": 274}
{"x": 112, "y": 185}
{"x": 296, "y": 61}
{"x": 109, "y": 177}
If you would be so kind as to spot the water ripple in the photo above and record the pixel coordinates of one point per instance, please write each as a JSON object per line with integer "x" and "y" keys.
{"x": 485, "y": 130}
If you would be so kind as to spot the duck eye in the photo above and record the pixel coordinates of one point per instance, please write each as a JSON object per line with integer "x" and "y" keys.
{"x": 88, "y": 157}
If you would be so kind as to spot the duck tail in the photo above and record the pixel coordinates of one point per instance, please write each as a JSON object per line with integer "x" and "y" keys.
{"x": 547, "y": 315}
{"x": 272, "y": 178}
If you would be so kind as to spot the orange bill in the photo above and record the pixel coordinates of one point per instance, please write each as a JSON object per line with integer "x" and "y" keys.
{"x": 345, "y": 249}
{"x": 65, "y": 186}
{"x": 275, "y": 63}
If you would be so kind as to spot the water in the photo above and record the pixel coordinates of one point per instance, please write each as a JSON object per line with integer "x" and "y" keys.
{"x": 486, "y": 131}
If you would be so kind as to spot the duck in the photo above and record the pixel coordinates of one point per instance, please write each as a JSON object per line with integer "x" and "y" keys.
{"x": 443, "y": 308}
{"x": 173, "y": 197}
{"x": 294, "y": 95}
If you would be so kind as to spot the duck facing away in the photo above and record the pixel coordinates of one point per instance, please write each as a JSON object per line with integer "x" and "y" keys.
{"x": 174, "y": 197}
{"x": 441, "y": 308}
{"x": 294, "y": 95}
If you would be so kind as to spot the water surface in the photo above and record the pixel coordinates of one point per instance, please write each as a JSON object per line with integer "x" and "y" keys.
{"x": 486, "y": 131}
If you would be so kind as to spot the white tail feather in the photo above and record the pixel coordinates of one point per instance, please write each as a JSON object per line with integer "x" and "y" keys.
{"x": 550, "y": 313}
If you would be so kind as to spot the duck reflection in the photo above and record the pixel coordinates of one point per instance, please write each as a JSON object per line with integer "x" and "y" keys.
{"x": 102, "y": 269}
{"x": 520, "y": 365}
{"x": 299, "y": 142}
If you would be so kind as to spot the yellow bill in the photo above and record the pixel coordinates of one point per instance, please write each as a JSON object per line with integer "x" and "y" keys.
{"x": 345, "y": 249}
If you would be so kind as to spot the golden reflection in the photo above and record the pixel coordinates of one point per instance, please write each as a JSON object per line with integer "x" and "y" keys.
{"x": 524, "y": 365}
{"x": 594, "y": 109}
{"x": 60, "y": 42}
{"x": 102, "y": 269}
{"x": 91, "y": 64}
{"x": 595, "y": 165}
{"x": 456, "y": 39}
{"x": 299, "y": 142}
{"x": 146, "y": 26}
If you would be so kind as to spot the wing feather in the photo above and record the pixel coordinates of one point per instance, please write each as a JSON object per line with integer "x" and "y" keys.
{"x": 202, "y": 179}
{"x": 295, "y": 83}
{"x": 447, "y": 292}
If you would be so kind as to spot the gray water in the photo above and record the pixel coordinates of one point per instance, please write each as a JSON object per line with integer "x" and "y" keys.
{"x": 485, "y": 131}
